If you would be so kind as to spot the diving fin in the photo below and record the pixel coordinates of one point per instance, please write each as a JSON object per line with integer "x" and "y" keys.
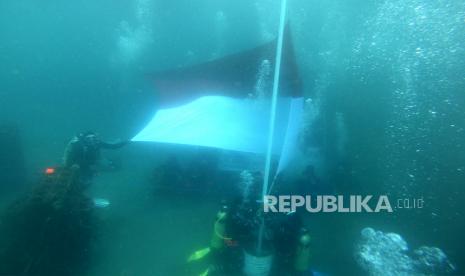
{"x": 199, "y": 254}
{"x": 205, "y": 273}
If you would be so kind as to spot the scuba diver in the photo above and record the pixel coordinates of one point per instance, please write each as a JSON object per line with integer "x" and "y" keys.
{"x": 286, "y": 246}
{"x": 222, "y": 256}
{"x": 83, "y": 151}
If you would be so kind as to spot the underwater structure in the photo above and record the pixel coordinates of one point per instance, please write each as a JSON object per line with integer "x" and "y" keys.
{"x": 48, "y": 232}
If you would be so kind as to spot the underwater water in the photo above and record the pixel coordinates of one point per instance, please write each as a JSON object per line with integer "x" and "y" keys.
{"x": 384, "y": 83}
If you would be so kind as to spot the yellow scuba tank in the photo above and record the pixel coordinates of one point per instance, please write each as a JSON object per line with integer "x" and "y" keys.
{"x": 219, "y": 230}
{"x": 303, "y": 254}
{"x": 218, "y": 238}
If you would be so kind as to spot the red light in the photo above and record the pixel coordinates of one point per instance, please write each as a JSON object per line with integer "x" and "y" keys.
{"x": 49, "y": 171}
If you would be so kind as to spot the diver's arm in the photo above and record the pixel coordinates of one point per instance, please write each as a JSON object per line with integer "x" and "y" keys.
{"x": 116, "y": 145}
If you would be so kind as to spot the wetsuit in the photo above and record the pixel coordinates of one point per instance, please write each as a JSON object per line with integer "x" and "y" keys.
{"x": 86, "y": 155}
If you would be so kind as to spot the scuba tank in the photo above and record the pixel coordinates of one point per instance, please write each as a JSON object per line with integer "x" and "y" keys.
{"x": 219, "y": 230}
{"x": 205, "y": 259}
{"x": 303, "y": 254}
{"x": 218, "y": 238}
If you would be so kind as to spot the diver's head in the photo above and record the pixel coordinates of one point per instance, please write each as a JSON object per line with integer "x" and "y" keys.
{"x": 89, "y": 138}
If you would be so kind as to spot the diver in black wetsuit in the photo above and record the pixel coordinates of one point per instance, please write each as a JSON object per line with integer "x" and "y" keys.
{"x": 83, "y": 151}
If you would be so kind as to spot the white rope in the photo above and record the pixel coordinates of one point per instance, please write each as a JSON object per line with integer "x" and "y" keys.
{"x": 274, "y": 100}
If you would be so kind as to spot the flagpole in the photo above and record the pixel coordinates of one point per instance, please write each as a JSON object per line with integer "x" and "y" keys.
{"x": 274, "y": 100}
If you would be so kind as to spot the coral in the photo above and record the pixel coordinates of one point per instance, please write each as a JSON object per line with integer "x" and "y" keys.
{"x": 49, "y": 231}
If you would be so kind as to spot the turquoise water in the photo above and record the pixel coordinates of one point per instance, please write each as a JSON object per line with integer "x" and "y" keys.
{"x": 386, "y": 79}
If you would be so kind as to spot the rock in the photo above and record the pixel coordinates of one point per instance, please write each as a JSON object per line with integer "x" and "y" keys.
{"x": 381, "y": 253}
